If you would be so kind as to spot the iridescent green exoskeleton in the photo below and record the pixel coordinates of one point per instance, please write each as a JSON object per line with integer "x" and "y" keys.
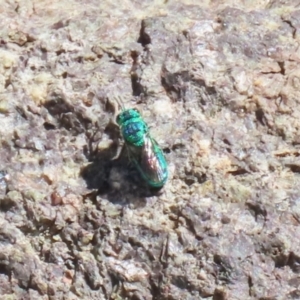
{"x": 142, "y": 148}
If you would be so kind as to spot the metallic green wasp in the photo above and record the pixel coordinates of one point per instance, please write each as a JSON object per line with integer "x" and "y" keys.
{"x": 143, "y": 150}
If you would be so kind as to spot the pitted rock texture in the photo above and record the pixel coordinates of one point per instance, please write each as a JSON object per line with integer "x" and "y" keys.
{"x": 218, "y": 84}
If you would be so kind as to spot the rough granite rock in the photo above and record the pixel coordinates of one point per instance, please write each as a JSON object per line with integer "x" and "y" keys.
{"x": 218, "y": 82}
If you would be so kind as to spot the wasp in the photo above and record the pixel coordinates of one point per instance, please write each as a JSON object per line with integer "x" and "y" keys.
{"x": 142, "y": 149}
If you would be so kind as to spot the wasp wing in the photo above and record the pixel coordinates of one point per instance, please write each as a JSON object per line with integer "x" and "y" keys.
{"x": 150, "y": 161}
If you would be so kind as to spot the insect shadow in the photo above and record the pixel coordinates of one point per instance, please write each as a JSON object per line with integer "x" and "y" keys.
{"x": 115, "y": 179}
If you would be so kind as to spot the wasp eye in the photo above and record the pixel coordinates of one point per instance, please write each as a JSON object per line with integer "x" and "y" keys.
{"x": 118, "y": 119}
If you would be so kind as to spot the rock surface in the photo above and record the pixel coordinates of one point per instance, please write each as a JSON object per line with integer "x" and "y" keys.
{"x": 219, "y": 85}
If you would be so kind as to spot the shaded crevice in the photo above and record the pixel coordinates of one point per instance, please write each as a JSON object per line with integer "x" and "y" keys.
{"x": 282, "y": 67}
{"x": 144, "y": 38}
{"x": 274, "y": 248}
{"x": 22, "y": 112}
{"x": 60, "y": 51}
{"x": 117, "y": 59}
{"x": 137, "y": 88}
{"x": 60, "y": 24}
{"x": 260, "y": 116}
{"x": 225, "y": 270}
{"x": 156, "y": 282}
{"x": 258, "y": 209}
{"x": 294, "y": 30}
{"x": 7, "y": 83}
{"x": 181, "y": 281}
{"x": 250, "y": 285}
{"x": 190, "y": 225}
{"x": 6, "y": 204}
{"x": 294, "y": 262}
{"x": 192, "y": 177}
{"x": 295, "y": 168}
{"x": 279, "y": 257}
{"x": 49, "y": 126}
{"x": 175, "y": 84}
{"x": 4, "y": 267}
{"x": 288, "y": 154}
{"x": 219, "y": 294}
{"x": 238, "y": 172}
{"x": 67, "y": 116}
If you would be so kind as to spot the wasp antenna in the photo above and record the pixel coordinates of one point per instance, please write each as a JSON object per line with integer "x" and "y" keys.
{"x": 120, "y": 102}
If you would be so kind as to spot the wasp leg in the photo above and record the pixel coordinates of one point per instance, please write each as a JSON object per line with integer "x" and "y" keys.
{"x": 113, "y": 107}
{"x": 116, "y": 105}
{"x": 120, "y": 149}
